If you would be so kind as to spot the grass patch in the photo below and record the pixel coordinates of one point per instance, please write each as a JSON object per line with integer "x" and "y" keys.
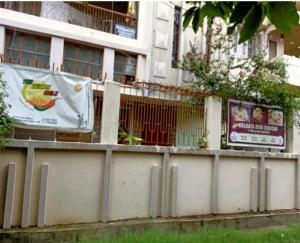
{"x": 208, "y": 235}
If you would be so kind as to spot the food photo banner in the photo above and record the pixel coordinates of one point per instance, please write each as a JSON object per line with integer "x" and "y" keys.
{"x": 42, "y": 99}
{"x": 255, "y": 125}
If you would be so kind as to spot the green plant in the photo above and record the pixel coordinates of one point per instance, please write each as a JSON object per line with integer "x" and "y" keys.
{"x": 253, "y": 79}
{"x": 125, "y": 137}
{"x": 202, "y": 140}
{"x": 243, "y": 14}
{"x": 5, "y": 120}
{"x": 224, "y": 142}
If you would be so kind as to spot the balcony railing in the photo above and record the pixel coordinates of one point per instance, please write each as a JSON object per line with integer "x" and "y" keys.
{"x": 33, "y": 8}
{"x": 77, "y": 13}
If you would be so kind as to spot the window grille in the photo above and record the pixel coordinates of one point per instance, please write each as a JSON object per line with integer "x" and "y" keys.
{"x": 27, "y": 49}
{"x": 124, "y": 68}
{"x": 83, "y": 60}
{"x": 170, "y": 119}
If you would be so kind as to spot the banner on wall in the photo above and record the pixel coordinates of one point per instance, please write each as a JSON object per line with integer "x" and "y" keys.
{"x": 255, "y": 125}
{"x": 42, "y": 99}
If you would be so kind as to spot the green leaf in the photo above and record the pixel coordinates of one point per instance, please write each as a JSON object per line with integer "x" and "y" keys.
{"x": 283, "y": 15}
{"x": 211, "y": 10}
{"x": 240, "y": 11}
{"x": 226, "y": 8}
{"x": 196, "y": 20}
{"x": 188, "y": 15}
{"x": 252, "y": 22}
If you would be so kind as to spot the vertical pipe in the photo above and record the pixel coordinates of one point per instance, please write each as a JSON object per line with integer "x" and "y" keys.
{"x": 43, "y": 196}
{"x": 9, "y": 197}
{"x": 297, "y": 184}
{"x": 268, "y": 189}
{"x": 262, "y": 185}
{"x": 154, "y": 191}
{"x": 106, "y": 186}
{"x": 27, "y": 187}
{"x": 174, "y": 193}
{"x": 215, "y": 185}
{"x": 253, "y": 189}
{"x": 165, "y": 185}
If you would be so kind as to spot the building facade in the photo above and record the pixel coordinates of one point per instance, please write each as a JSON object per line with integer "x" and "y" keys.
{"x": 122, "y": 42}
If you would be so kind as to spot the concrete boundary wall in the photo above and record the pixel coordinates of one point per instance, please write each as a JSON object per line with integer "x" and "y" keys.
{"x": 52, "y": 183}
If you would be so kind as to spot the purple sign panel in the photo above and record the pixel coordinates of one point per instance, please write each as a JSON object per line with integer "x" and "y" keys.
{"x": 255, "y": 125}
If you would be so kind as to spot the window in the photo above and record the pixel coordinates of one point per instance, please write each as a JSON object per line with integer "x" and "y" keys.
{"x": 27, "y": 49}
{"x": 255, "y": 45}
{"x": 251, "y": 48}
{"x": 236, "y": 41}
{"x": 272, "y": 49}
{"x": 83, "y": 60}
{"x": 176, "y": 32}
{"x": 125, "y": 68}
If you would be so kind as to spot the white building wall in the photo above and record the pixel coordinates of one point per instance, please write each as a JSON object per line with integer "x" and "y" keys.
{"x": 153, "y": 44}
{"x": 2, "y": 39}
{"x": 56, "y": 53}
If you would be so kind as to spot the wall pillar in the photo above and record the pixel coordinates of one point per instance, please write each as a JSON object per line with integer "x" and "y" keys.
{"x": 2, "y": 40}
{"x": 56, "y": 53}
{"x": 140, "y": 68}
{"x": 110, "y": 113}
{"x": 213, "y": 120}
{"x": 293, "y": 139}
{"x": 108, "y": 64}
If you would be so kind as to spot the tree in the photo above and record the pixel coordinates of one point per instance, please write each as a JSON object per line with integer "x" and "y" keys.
{"x": 5, "y": 120}
{"x": 247, "y": 79}
{"x": 247, "y": 15}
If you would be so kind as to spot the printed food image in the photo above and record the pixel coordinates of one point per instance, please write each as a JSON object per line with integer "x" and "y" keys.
{"x": 257, "y": 115}
{"x": 36, "y": 94}
{"x": 275, "y": 117}
{"x": 239, "y": 114}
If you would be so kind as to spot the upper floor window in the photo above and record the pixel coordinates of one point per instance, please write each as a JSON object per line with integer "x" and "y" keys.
{"x": 272, "y": 49}
{"x": 255, "y": 46}
{"x": 27, "y": 49}
{"x": 251, "y": 48}
{"x": 176, "y": 35}
{"x": 83, "y": 60}
{"x": 125, "y": 68}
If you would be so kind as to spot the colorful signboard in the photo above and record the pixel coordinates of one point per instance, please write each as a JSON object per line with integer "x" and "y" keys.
{"x": 255, "y": 125}
{"x": 125, "y": 31}
{"x": 42, "y": 99}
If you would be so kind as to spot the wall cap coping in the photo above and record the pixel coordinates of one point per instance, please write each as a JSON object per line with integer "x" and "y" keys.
{"x": 16, "y": 143}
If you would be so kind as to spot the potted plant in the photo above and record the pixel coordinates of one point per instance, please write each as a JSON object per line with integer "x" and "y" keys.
{"x": 224, "y": 142}
{"x": 126, "y": 138}
{"x": 133, "y": 140}
{"x": 202, "y": 141}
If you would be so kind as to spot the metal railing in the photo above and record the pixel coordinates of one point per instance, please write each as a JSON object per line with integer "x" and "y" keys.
{"x": 32, "y": 62}
{"x": 32, "y": 8}
{"x": 104, "y": 19}
{"x": 161, "y": 115}
{"x": 77, "y": 13}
